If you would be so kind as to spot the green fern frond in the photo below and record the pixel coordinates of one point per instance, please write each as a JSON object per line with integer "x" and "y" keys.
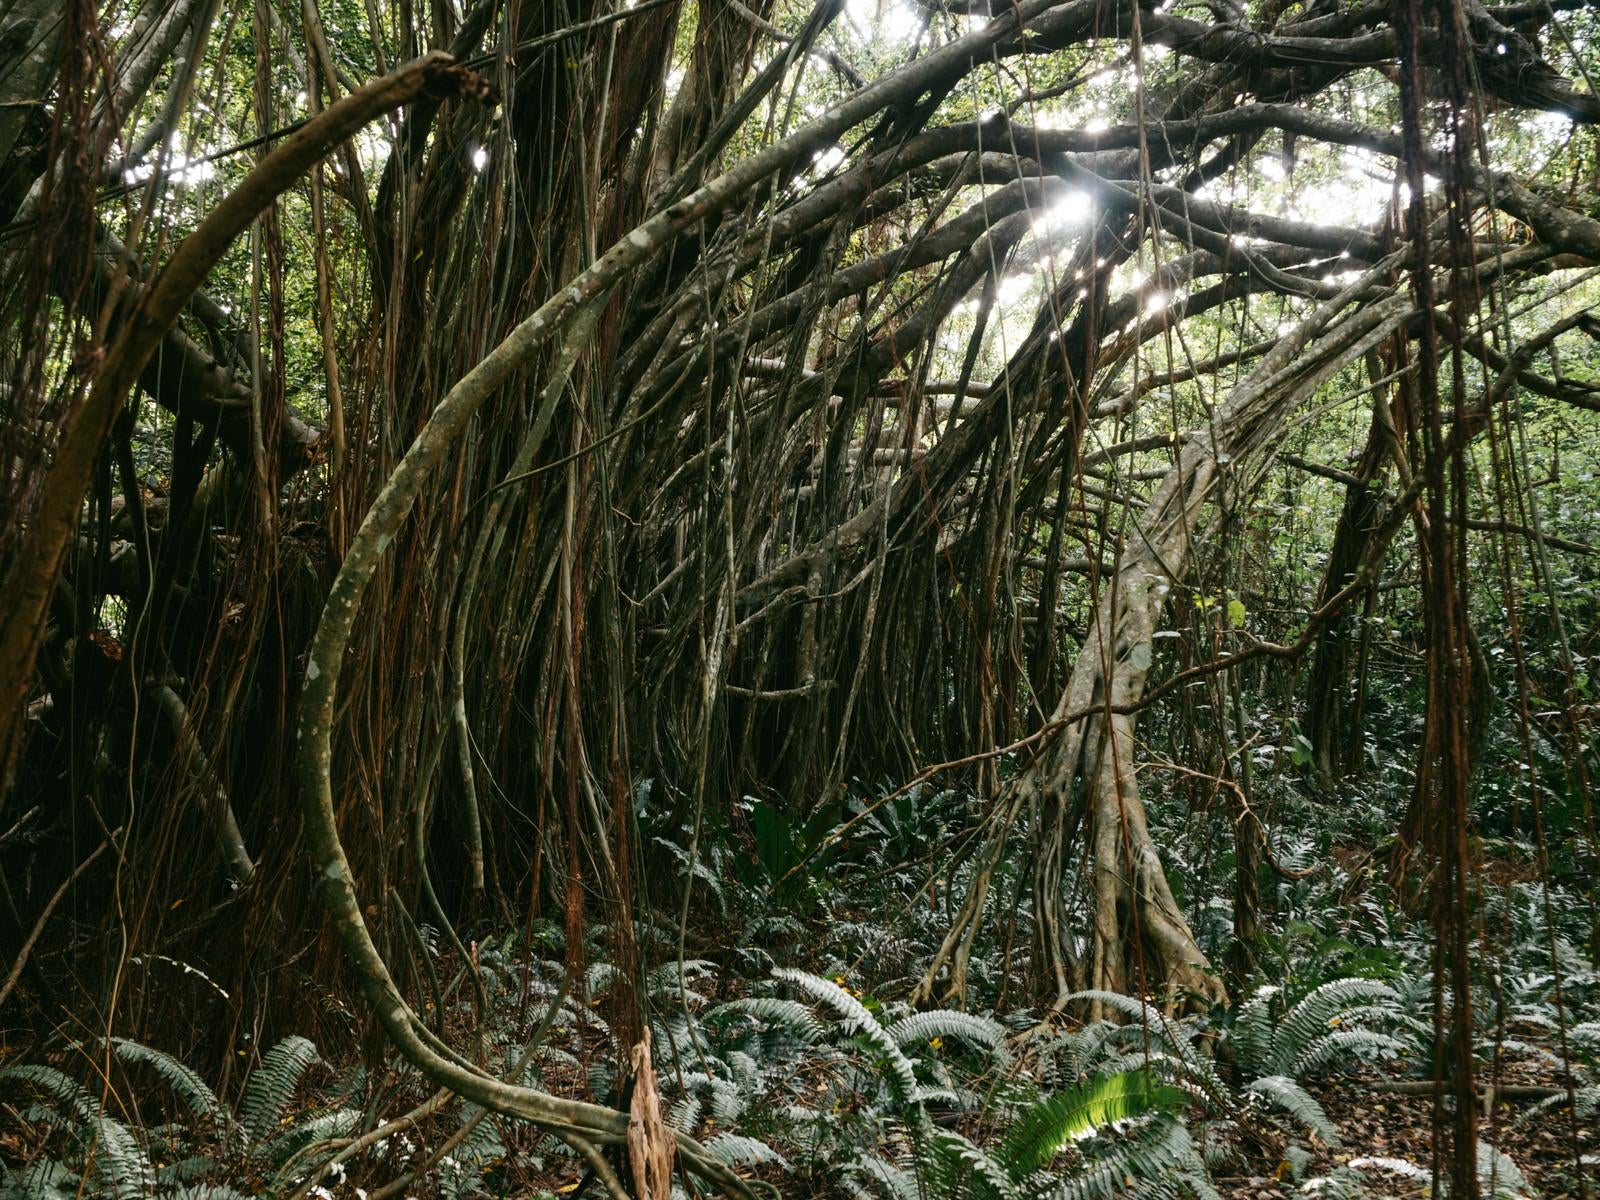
{"x": 1333, "y": 1000}
{"x": 826, "y": 991}
{"x": 893, "y": 1182}
{"x": 1297, "y": 1102}
{"x": 49, "y": 1082}
{"x": 728, "y": 1103}
{"x": 738, "y": 1151}
{"x": 789, "y": 1015}
{"x": 602, "y": 1076}
{"x": 1499, "y": 1178}
{"x": 948, "y": 1160}
{"x": 1158, "y": 1147}
{"x": 273, "y": 1083}
{"x": 1170, "y": 1033}
{"x": 192, "y": 1169}
{"x": 684, "y": 1114}
{"x": 555, "y": 1054}
{"x": 984, "y": 1032}
{"x": 320, "y": 1127}
{"x": 1342, "y": 1044}
{"x": 43, "y": 1179}
{"x": 850, "y": 1182}
{"x": 855, "y": 1017}
{"x": 1180, "y": 1184}
{"x": 599, "y": 977}
{"x": 1129, "y": 1006}
{"x": 186, "y": 1085}
{"x": 1078, "y": 1052}
{"x": 958, "y": 1099}
{"x": 666, "y": 975}
{"x": 119, "y": 1163}
{"x": 1586, "y": 1102}
{"x": 1196, "y": 1076}
{"x": 744, "y": 1069}
{"x": 1041, "y": 1131}
{"x": 461, "y": 1174}
{"x": 1252, "y": 1032}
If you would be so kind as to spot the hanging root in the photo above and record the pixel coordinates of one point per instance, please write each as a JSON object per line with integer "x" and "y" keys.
{"x": 1140, "y": 941}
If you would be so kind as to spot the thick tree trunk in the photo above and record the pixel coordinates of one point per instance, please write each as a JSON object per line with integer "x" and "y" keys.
{"x": 30, "y": 51}
{"x": 1138, "y": 937}
{"x": 1331, "y": 725}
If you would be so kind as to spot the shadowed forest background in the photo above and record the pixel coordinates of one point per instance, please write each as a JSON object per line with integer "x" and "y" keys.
{"x": 888, "y": 600}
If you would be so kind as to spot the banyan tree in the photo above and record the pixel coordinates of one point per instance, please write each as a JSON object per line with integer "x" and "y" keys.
{"x": 429, "y": 430}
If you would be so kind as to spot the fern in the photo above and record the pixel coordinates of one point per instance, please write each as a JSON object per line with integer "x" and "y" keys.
{"x": 1130, "y": 1007}
{"x": 738, "y": 1151}
{"x": 1180, "y": 1184}
{"x": 1586, "y": 1102}
{"x": 1324, "y": 1005}
{"x": 984, "y": 1032}
{"x": 666, "y": 975}
{"x": 789, "y": 1015}
{"x": 829, "y": 993}
{"x": 48, "y": 1081}
{"x": 599, "y": 978}
{"x": 186, "y": 1085}
{"x": 273, "y": 1083}
{"x": 295, "y": 1141}
{"x": 45, "y": 1179}
{"x": 1297, "y": 1102}
{"x": 461, "y": 1172}
{"x": 948, "y": 1160}
{"x": 1344, "y": 1043}
{"x": 114, "y": 1157}
{"x": 1155, "y": 1025}
{"x": 1253, "y": 1033}
{"x": 1158, "y": 1148}
{"x": 1327, "y": 1024}
{"x": 1080, "y": 1051}
{"x": 956, "y": 1099}
{"x": 1195, "y": 1075}
{"x": 1499, "y": 1178}
{"x": 854, "y": 1016}
{"x": 119, "y": 1162}
{"x": 191, "y": 1169}
{"x": 743, "y": 1069}
{"x": 1042, "y": 1130}
{"x": 893, "y": 1182}
{"x": 727, "y": 1102}
{"x": 684, "y": 1114}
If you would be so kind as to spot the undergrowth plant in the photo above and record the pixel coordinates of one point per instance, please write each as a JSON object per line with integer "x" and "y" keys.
{"x": 209, "y": 1152}
{"x": 900, "y": 1105}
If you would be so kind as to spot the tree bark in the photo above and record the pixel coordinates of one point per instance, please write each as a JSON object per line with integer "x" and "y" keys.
{"x": 33, "y": 577}
{"x": 1138, "y": 936}
{"x": 30, "y": 49}
{"x": 1330, "y": 728}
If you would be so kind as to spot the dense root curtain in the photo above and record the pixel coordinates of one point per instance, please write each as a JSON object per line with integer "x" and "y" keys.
{"x": 1079, "y": 797}
{"x": 560, "y": 325}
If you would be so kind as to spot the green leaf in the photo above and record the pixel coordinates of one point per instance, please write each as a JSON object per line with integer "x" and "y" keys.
{"x": 1042, "y": 1129}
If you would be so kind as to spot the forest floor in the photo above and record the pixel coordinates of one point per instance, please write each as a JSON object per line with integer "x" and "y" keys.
{"x": 1385, "y": 1143}
{"x": 1379, "y": 1124}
